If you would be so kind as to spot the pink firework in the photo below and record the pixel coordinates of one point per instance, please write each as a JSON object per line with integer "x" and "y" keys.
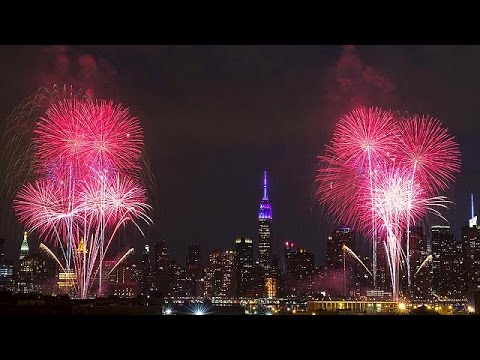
{"x": 88, "y": 158}
{"x": 430, "y": 151}
{"x": 44, "y": 206}
{"x": 339, "y": 188}
{"x": 113, "y": 199}
{"x": 79, "y": 135}
{"x": 365, "y": 137}
{"x": 382, "y": 176}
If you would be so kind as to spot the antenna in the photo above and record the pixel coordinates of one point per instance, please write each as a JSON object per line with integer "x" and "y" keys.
{"x": 473, "y": 208}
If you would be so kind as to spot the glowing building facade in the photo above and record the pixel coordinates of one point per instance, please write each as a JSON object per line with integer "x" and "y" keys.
{"x": 265, "y": 228}
{"x": 6, "y": 269}
{"x": 244, "y": 266}
{"x": 339, "y": 265}
{"x": 471, "y": 251}
{"x": 447, "y": 265}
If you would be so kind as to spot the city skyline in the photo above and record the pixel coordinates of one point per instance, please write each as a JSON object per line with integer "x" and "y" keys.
{"x": 271, "y": 116}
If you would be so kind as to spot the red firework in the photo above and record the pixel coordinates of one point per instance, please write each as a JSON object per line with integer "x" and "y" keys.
{"x": 365, "y": 137}
{"x": 381, "y": 176}
{"x": 45, "y": 206}
{"x": 112, "y": 199}
{"x": 430, "y": 151}
{"x": 77, "y": 135}
{"x": 88, "y": 158}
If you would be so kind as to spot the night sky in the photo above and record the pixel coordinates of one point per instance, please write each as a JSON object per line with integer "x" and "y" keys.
{"x": 216, "y": 116}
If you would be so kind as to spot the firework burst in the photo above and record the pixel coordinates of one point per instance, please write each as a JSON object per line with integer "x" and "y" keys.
{"x": 88, "y": 164}
{"x": 383, "y": 175}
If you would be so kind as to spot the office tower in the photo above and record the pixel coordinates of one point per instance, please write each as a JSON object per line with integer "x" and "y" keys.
{"x": 229, "y": 278}
{"x": 265, "y": 229}
{"x": 162, "y": 271}
{"x": 339, "y": 265}
{"x": 178, "y": 286}
{"x": 148, "y": 276}
{"x": 213, "y": 275}
{"x": 24, "y": 250}
{"x": 420, "y": 266}
{"x": 300, "y": 267}
{"x": 6, "y": 269}
{"x": 471, "y": 251}
{"x": 194, "y": 271}
{"x": 244, "y": 266}
{"x": 447, "y": 265}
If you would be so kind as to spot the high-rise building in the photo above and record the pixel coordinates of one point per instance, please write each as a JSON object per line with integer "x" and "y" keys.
{"x": 6, "y": 269}
{"x": 24, "y": 247}
{"x": 244, "y": 266}
{"x": 229, "y": 278}
{"x": 119, "y": 280}
{"x": 447, "y": 281}
{"x": 194, "y": 271}
{"x": 265, "y": 229}
{"x": 178, "y": 283}
{"x": 162, "y": 271}
{"x": 213, "y": 275}
{"x": 148, "y": 276}
{"x": 221, "y": 274}
{"x": 287, "y": 256}
{"x": 339, "y": 267}
{"x": 420, "y": 266}
{"x": 471, "y": 251}
{"x": 193, "y": 258}
{"x": 300, "y": 267}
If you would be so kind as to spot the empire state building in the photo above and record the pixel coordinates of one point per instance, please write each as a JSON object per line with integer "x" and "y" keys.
{"x": 265, "y": 228}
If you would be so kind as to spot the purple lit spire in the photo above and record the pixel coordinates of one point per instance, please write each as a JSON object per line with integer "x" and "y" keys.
{"x": 265, "y": 211}
{"x": 265, "y": 194}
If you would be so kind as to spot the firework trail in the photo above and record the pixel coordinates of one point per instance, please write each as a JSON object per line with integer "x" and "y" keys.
{"x": 350, "y": 251}
{"x": 382, "y": 174}
{"x": 425, "y": 262}
{"x": 127, "y": 254}
{"x": 87, "y": 161}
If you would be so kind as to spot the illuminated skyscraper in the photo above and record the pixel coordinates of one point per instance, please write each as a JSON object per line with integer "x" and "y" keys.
{"x": 213, "y": 275}
{"x": 421, "y": 266}
{"x": 265, "y": 228}
{"x": 6, "y": 269}
{"x": 194, "y": 271}
{"x": 244, "y": 266}
{"x": 229, "y": 275}
{"x": 471, "y": 251}
{"x": 447, "y": 264}
{"x": 162, "y": 276}
{"x": 148, "y": 275}
{"x": 24, "y": 247}
{"x": 338, "y": 264}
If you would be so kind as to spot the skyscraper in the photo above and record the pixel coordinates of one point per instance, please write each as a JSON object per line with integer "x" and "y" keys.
{"x": 229, "y": 274}
{"x": 299, "y": 267}
{"x": 265, "y": 228}
{"x": 24, "y": 247}
{"x": 471, "y": 251}
{"x": 213, "y": 275}
{"x": 194, "y": 271}
{"x": 148, "y": 277}
{"x": 162, "y": 271}
{"x": 339, "y": 271}
{"x": 446, "y": 264}
{"x": 6, "y": 269}
{"x": 421, "y": 266}
{"x": 193, "y": 258}
{"x": 244, "y": 266}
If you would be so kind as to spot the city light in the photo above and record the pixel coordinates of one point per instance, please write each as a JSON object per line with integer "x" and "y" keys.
{"x": 402, "y": 306}
{"x": 470, "y": 309}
